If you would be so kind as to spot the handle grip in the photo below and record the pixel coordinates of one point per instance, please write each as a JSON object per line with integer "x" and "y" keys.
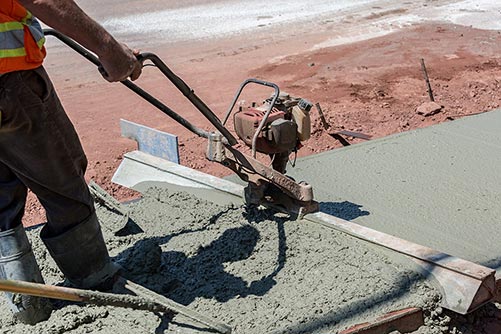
{"x": 178, "y": 82}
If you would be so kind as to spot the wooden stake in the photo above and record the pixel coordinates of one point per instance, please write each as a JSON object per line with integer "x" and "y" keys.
{"x": 322, "y": 117}
{"x": 430, "y": 92}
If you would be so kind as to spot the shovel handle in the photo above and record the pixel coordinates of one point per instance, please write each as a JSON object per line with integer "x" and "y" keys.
{"x": 40, "y": 290}
{"x": 78, "y": 295}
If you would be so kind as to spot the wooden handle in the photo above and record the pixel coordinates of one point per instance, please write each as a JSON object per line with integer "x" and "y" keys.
{"x": 40, "y": 290}
{"x": 78, "y": 295}
{"x": 147, "y": 299}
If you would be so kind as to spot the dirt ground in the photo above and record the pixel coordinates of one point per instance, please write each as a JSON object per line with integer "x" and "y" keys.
{"x": 372, "y": 86}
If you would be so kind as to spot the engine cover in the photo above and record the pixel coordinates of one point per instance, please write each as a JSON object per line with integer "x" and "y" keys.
{"x": 277, "y": 136}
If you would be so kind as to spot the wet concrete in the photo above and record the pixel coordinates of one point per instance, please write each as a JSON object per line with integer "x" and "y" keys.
{"x": 252, "y": 269}
{"x": 260, "y": 272}
{"x": 439, "y": 187}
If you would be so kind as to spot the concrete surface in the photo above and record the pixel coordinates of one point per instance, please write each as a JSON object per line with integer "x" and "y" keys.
{"x": 439, "y": 187}
{"x": 249, "y": 268}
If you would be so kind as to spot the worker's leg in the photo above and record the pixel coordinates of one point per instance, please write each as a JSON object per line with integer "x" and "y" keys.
{"x": 17, "y": 261}
{"x": 12, "y": 199}
{"x": 40, "y": 145}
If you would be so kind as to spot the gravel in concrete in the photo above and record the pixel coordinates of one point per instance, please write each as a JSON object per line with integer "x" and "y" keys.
{"x": 256, "y": 271}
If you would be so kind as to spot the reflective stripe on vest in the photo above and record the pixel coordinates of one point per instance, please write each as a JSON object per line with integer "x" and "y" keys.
{"x": 21, "y": 38}
{"x": 12, "y": 36}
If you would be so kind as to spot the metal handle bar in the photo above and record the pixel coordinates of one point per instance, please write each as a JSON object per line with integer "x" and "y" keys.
{"x": 268, "y": 112}
{"x": 187, "y": 91}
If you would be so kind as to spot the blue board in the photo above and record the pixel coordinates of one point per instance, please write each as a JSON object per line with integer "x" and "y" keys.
{"x": 154, "y": 142}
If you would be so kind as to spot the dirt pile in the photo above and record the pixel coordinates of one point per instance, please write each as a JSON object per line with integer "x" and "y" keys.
{"x": 255, "y": 270}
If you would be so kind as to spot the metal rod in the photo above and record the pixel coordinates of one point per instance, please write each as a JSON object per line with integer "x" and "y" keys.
{"x": 264, "y": 120}
{"x": 176, "y": 307}
{"x": 145, "y": 300}
{"x": 166, "y": 110}
{"x": 428, "y": 85}
{"x": 189, "y": 94}
{"x": 354, "y": 134}
{"x": 239, "y": 91}
{"x": 152, "y": 100}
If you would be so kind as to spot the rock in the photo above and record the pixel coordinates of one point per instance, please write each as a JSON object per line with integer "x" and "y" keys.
{"x": 429, "y": 108}
{"x": 404, "y": 124}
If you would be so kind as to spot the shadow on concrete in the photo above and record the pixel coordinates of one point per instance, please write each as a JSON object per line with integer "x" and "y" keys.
{"x": 184, "y": 278}
{"x": 204, "y": 272}
{"x": 493, "y": 263}
{"x": 344, "y": 210}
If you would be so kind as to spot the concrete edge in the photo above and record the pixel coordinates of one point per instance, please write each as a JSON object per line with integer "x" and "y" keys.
{"x": 465, "y": 285}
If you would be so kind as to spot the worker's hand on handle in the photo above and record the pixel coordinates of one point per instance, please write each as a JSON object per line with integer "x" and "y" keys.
{"x": 120, "y": 63}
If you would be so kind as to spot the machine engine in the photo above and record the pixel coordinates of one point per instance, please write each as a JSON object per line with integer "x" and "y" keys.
{"x": 286, "y": 126}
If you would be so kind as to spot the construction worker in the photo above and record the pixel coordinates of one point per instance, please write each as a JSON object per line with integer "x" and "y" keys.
{"x": 40, "y": 150}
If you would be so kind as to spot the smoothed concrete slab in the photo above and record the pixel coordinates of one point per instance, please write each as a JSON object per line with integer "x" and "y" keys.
{"x": 439, "y": 187}
{"x": 464, "y": 286}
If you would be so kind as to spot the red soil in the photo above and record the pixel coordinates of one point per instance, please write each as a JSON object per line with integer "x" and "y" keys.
{"x": 372, "y": 87}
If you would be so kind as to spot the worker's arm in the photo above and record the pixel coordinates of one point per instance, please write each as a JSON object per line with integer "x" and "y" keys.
{"x": 117, "y": 59}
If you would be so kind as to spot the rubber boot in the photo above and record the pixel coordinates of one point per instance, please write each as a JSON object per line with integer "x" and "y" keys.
{"x": 82, "y": 256}
{"x": 17, "y": 262}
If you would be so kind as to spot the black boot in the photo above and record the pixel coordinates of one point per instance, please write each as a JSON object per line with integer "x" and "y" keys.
{"x": 82, "y": 256}
{"x": 17, "y": 262}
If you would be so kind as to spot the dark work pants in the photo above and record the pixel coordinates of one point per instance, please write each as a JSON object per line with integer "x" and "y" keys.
{"x": 39, "y": 150}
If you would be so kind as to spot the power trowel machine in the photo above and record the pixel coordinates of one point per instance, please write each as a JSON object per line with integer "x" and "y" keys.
{"x": 275, "y": 128}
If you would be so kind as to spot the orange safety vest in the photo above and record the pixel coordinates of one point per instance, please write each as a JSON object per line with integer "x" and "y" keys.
{"x": 21, "y": 38}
